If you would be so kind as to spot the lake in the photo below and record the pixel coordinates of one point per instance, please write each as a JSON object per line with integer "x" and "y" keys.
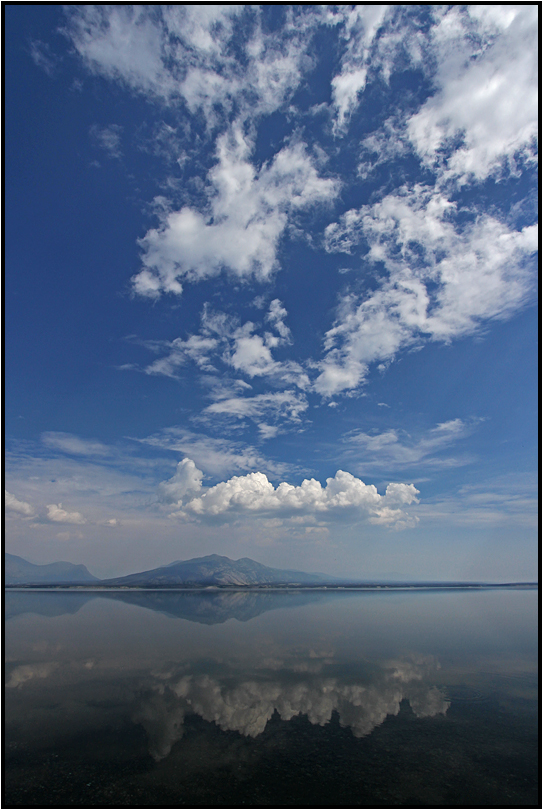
{"x": 271, "y": 699}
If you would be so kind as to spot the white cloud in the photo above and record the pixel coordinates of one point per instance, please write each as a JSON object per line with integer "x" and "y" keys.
{"x": 255, "y": 494}
{"x": 183, "y": 54}
{"x": 59, "y": 515}
{"x": 248, "y": 212}
{"x": 383, "y": 146}
{"x": 486, "y": 89}
{"x": 123, "y": 43}
{"x": 223, "y": 338}
{"x": 276, "y": 316}
{"x": 15, "y": 505}
{"x": 163, "y": 141}
{"x": 120, "y": 488}
{"x": 443, "y": 280}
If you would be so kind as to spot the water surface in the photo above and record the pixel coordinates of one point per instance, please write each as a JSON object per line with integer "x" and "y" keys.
{"x": 202, "y": 699}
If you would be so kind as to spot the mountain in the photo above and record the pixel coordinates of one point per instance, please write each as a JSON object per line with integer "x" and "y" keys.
{"x": 217, "y": 570}
{"x": 21, "y": 572}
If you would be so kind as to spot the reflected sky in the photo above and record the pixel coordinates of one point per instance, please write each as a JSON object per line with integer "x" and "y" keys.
{"x": 84, "y": 663}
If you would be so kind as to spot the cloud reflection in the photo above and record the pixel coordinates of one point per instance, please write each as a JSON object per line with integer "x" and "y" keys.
{"x": 245, "y": 704}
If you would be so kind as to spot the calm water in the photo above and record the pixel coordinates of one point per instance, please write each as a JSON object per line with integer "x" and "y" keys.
{"x": 271, "y": 700}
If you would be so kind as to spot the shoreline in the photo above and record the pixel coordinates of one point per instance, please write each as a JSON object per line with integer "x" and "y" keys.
{"x": 275, "y": 589}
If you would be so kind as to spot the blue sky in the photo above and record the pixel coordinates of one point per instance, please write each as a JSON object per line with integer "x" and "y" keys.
{"x": 271, "y": 287}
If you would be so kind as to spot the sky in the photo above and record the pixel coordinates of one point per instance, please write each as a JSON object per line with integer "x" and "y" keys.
{"x": 270, "y": 287}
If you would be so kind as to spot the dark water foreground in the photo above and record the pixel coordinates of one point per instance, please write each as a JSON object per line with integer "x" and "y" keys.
{"x": 271, "y": 700}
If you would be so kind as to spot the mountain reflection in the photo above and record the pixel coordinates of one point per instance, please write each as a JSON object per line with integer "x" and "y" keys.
{"x": 246, "y": 704}
{"x": 207, "y": 607}
{"x": 203, "y": 607}
{"x": 51, "y": 603}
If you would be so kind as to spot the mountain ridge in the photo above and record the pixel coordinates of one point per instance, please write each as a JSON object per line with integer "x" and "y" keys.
{"x": 212, "y": 569}
{"x": 216, "y": 569}
{"x": 18, "y": 571}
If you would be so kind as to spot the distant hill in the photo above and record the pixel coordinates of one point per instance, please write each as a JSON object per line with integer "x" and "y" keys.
{"x": 18, "y": 571}
{"x": 217, "y": 570}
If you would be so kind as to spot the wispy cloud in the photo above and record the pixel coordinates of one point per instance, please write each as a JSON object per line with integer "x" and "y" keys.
{"x": 216, "y": 457}
{"x": 74, "y": 445}
{"x": 108, "y": 138}
{"x": 43, "y": 56}
{"x": 224, "y": 341}
{"x": 282, "y": 407}
{"x": 395, "y": 449}
{"x": 502, "y": 502}
{"x": 225, "y": 345}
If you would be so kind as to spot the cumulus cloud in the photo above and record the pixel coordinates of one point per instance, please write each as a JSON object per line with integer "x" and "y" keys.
{"x": 482, "y": 61}
{"x": 442, "y": 280}
{"x": 196, "y": 349}
{"x": 255, "y": 494}
{"x": 59, "y": 515}
{"x": 123, "y": 43}
{"x": 187, "y": 479}
{"x": 15, "y": 505}
{"x": 248, "y": 213}
{"x": 276, "y": 316}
